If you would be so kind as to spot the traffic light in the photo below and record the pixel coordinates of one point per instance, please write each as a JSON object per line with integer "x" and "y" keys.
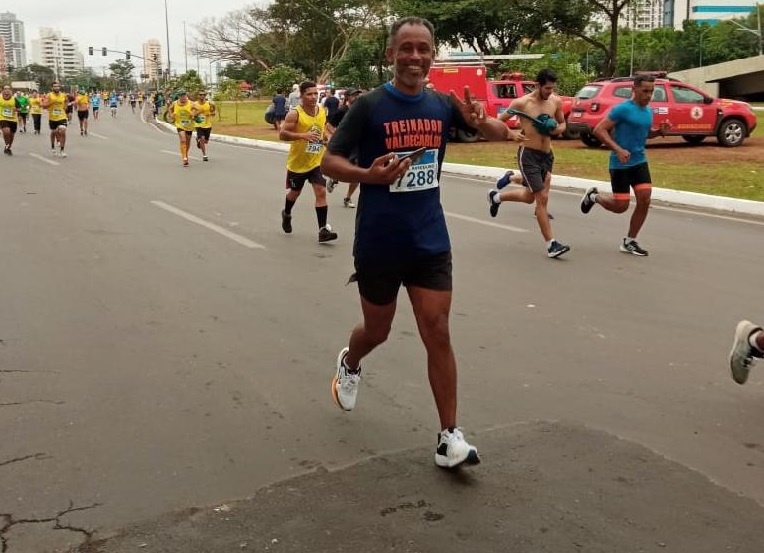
{"x": 127, "y": 54}
{"x": 103, "y": 51}
{"x": 90, "y": 50}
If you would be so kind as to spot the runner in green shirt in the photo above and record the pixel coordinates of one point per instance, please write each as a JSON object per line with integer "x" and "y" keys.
{"x": 23, "y": 102}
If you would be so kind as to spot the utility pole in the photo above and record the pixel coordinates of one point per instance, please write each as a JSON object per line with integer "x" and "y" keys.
{"x": 167, "y": 31}
{"x": 185, "y": 45}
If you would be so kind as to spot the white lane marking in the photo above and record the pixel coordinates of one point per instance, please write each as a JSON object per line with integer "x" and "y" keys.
{"x": 686, "y": 211}
{"x": 486, "y": 223}
{"x": 190, "y": 157}
{"x": 211, "y": 226}
{"x": 102, "y": 137}
{"x": 45, "y": 159}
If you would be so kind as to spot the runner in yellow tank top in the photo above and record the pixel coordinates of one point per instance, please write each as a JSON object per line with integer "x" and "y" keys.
{"x": 55, "y": 102}
{"x": 82, "y": 103}
{"x": 183, "y": 114}
{"x": 205, "y": 111}
{"x": 9, "y": 112}
{"x": 35, "y": 108}
{"x": 304, "y": 128}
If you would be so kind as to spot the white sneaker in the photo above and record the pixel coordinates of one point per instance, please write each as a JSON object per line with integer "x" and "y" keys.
{"x": 330, "y": 185}
{"x": 453, "y": 450}
{"x": 742, "y": 354}
{"x": 63, "y": 153}
{"x": 53, "y": 152}
{"x": 345, "y": 384}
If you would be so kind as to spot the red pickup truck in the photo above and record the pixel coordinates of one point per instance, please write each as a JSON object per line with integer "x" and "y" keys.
{"x": 495, "y": 94}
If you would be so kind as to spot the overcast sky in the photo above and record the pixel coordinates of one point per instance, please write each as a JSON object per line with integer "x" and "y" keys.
{"x": 121, "y": 25}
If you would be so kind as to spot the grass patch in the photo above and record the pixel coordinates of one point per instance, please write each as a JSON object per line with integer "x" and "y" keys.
{"x": 706, "y": 168}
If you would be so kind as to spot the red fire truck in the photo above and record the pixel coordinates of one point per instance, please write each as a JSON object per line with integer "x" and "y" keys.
{"x": 495, "y": 94}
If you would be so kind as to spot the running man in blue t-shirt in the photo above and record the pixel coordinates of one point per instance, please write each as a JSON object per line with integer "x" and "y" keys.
{"x": 625, "y": 131}
{"x": 401, "y": 234}
{"x": 95, "y": 103}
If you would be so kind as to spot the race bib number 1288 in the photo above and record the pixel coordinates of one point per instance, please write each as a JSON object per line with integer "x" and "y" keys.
{"x": 422, "y": 175}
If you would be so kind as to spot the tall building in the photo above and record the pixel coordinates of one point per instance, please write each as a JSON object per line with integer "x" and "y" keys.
{"x": 57, "y": 52}
{"x": 675, "y": 12}
{"x": 643, "y": 15}
{"x": 152, "y": 58}
{"x": 12, "y": 32}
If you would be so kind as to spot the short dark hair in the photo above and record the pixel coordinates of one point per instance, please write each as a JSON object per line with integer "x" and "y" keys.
{"x": 305, "y": 85}
{"x": 643, "y": 78}
{"x": 546, "y": 76}
{"x": 396, "y": 26}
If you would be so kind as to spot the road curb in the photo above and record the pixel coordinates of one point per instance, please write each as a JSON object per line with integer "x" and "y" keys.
{"x": 674, "y": 197}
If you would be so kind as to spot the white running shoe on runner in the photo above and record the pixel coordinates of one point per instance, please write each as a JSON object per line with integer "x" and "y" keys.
{"x": 345, "y": 383}
{"x": 453, "y": 450}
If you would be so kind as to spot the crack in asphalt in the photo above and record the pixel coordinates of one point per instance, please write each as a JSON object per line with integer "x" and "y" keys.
{"x": 37, "y": 456}
{"x": 2, "y": 371}
{"x": 50, "y": 401}
{"x": 7, "y": 522}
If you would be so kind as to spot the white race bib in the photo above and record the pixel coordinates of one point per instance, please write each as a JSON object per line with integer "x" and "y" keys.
{"x": 7, "y": 112}
{"x": 313, "y": 147}
{"x": 57, "y": 111}
{"x": 185, "y": 122}
{"x": 422, "y": 175}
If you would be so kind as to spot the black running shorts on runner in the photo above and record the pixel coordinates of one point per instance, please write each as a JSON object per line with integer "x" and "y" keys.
{"x": 534, "y": 166}
{"x": 623, "y": 180}
{"x": 203, "y": 132}
{"x": 188, "y": 133}
{"x": 9, "y": 125}
{"x": 379, "y": 281}
{"x": 82, "y": 115}
{"x": 296, "y": 181}
{"x": 53, "y": 125}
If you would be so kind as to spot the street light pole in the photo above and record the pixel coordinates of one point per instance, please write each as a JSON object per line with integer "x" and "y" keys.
{"x": 185, "y": 46}
{"x": 631, "y": 64}
{"x": 167, "y": 31}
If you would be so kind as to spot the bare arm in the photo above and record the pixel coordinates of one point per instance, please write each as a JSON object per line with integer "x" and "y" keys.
{"x": 603, "y": 132}
{"x": 289, "y": 132}
{"x": 559, "y": 116}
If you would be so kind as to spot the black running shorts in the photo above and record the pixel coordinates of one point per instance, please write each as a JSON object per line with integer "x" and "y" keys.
{"x": 203, "y": 132}
{"x": 83, "y": 115}
{"x": 53, "y": 125}
{"x": 296, "y": 181}
{"x": 534, "y": 166}
{"x": 623, "y": 180}
{"x": 9, "y": 125}
{"x": 379, "y": 281}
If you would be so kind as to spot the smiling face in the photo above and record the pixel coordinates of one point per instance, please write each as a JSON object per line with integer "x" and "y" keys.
{"x": 411, "y": 51}
{"x": 7, "y": 93}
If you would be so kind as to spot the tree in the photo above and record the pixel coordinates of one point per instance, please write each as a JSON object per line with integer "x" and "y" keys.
{"x": 43, "y": 76}
{"x": 318, "y": 32}
{"x": 487, "y": 26}
{"x": 190, "y": 81}
{"x": 573, "y": 17}
{"x": 281, "y": 77}
{"x": 355, "y": 68}
{"x": 227, "y": 39}
{"x": 122, "y": 72}
{"x": 242, "y": 71}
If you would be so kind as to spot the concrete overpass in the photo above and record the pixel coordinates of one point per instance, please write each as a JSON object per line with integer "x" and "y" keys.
{"x": 739, "y": 79}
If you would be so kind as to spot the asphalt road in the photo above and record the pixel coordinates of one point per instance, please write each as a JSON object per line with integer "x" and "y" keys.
{"x": 163, "y": 345}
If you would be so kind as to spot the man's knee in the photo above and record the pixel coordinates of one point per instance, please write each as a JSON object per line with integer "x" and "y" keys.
{"x": 620, "y": 206}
